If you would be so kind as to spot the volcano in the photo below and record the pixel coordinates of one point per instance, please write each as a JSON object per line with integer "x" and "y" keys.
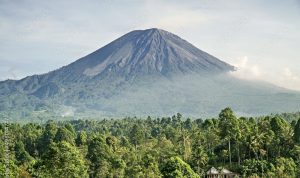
{"x": 144, "y": 72}
{"x": 147, "y": 52}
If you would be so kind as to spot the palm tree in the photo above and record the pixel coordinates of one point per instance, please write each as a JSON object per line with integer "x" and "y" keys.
{"x": 200, "y": 158}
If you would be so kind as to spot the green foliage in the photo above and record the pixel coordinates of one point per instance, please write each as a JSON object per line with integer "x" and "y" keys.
{"x": 152, "y": 147}
{"x": 22, "y": 155}
{"x": 81, "y": 138}
{"x": 177, "y": 168}
{"x": 200, "y": 160}
{"x": 62, "y": 160}
{"x": 9, "y": 169}
{"x": 285, "y": 167}
{"x": 63, "y": 134}
{"x": 257, "y": 167}
{"x": 136, "y": 135}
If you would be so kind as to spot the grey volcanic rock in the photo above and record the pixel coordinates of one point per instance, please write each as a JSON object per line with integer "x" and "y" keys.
{"x": 47, "y": 91}
{"x": 144, "y": 52}
{"x": 144, "y": 72}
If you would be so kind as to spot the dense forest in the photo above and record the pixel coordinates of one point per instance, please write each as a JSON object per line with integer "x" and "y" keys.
{"x": 168, "y": 147}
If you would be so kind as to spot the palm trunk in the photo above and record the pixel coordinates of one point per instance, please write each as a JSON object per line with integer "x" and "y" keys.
{"x": 239, "y": 158}
{"x": 198, "y": 167}
{"x": 229, "y": 151}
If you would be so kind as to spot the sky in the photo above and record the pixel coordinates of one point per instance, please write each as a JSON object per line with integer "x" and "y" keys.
{"x": 260, "y": 37}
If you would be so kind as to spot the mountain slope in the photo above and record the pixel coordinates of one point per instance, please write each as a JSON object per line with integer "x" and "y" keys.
{"x": 151, "y": 51}
{"x": 135, "y": 54}
{"x": 144, "y": 72}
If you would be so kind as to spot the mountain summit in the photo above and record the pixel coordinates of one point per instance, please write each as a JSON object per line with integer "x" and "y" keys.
{"x": 143, "y": 52}
{"x": 144, "y": 72}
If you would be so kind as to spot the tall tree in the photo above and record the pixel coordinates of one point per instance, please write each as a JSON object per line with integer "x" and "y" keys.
{"x": 200, "y": 160}
{"x": 22, "y": 155}
{"x": 47, "y": 137}
{"x": 81, "y": 138}
{"x": 136, "y": 135}
{"x": 62, "y": 160}
{"x": 229, "y": 127}
{"x": 99, "y": 155}
{"x": 64, "y": 134}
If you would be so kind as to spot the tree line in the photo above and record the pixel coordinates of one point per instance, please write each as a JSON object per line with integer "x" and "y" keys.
{"x": 167, "y": 147}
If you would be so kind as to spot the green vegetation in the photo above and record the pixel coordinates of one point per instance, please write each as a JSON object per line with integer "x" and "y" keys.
{"x": 153, "y": 147}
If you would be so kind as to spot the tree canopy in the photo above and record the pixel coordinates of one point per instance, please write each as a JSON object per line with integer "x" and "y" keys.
{"x": 176, "y": 146}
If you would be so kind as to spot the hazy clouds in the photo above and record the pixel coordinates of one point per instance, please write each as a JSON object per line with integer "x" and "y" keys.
{"x": 38, "y": 36}
{"x": 285, "y": 77}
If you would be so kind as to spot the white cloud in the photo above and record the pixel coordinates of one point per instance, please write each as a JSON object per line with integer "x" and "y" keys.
{"x": 289, "y": 80}
{"x": 246, "y": 70}
{"x": 9, "y": 73}
{"x": 287, "y": 72}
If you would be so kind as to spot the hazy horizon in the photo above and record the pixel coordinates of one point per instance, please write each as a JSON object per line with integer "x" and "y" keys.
{"x": 258, "y": 37}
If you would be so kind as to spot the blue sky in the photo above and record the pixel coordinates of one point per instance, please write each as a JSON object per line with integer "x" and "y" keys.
{"x": 261, "y": 37}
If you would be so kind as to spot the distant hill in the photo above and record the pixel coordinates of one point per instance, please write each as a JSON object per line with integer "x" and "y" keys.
{"x": 144, "y": 72}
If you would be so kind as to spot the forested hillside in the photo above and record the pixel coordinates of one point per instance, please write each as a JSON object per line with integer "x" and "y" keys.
{"x": 152, "y": 147}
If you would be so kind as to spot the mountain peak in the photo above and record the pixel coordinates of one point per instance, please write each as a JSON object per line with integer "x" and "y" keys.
{"x": 147, "y": 52}
{"x": 152, "y": 30}
{"x": 158, "y": 33}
